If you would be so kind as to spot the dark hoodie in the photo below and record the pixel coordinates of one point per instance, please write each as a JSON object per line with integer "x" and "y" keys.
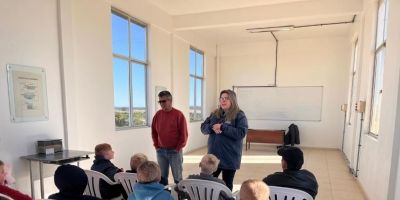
{"x": 71, "y": 181}
{"x": 104, "y": 166}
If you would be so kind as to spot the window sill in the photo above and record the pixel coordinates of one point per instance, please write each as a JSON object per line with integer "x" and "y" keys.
{"x": 131, "y": 128}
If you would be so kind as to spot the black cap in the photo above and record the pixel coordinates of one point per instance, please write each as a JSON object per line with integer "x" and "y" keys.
{"x": 293, "y": 157}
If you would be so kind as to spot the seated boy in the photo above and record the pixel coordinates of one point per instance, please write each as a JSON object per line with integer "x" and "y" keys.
{"x": 4, "y": 189}
{"x": 71, "y": 182}
{"x": 148, "y": 186}
{"x": 136, "y": 160}
{"x": 102, "y": 164}
{"x": 254, "y": 190}
{"x": 208, "y": 165}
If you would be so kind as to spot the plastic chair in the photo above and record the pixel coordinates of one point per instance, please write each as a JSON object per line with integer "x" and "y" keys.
{"x": 284, "y": 193}
{"x": 203, "y": 189}
{"x": 93, "y": 187}
{"x": 3, "y": 196}
{"x": 127, "y": 180}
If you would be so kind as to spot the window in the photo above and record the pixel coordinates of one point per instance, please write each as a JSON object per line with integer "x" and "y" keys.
{"x": 353, "y": 86}
{"x": 381, "y": 35}
{"x": 196, "y": 62}
{"x": 129, "y": 48}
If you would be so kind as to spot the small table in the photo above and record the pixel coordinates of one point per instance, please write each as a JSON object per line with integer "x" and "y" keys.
{"x": 264, "y": 136}
{"x": 59, "y": 158}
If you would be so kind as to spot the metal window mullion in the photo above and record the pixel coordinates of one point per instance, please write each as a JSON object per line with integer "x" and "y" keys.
{"x": 195, "y": 86}
{"x": 202, "y": 96}
{"x": 130, "y": 76}
{"x": 380, "y": 47}
{"x": 121, "y": 56}
{"x": 384, "y": 19}
{"x": 138, "y": 61}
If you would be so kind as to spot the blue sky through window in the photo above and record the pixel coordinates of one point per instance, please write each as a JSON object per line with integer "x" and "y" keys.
{"x": 120, "y": 37}
{"x": 121, "y": 83}
{"x": 139, "y": 85}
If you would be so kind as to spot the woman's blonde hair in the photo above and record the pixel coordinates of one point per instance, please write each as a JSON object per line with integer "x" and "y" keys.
{"x": 233, "y": 110}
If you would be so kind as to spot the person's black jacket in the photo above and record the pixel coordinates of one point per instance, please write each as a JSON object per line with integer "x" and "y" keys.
{"x": 60, "y": 196}
{"x": 297, "y": 179}
{"x": 106, "y": 167}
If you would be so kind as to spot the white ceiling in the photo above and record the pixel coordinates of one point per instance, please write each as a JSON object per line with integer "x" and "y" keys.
{"x": 226, "y": 21}
{"x": 182, "y": 7}
{"x": 239, "y": 34}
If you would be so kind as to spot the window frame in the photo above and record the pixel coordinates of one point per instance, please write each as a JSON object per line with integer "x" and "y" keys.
{"x": 378, "y": 48}
{"x": 355, "y": 63}
{"x": 131, "y": 61}
{"x": 196, "y": 77}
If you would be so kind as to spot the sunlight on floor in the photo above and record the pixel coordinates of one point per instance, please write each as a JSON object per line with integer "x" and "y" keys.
{"x": 247, "y": 159}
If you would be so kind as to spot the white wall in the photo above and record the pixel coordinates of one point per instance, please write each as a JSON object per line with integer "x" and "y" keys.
{"x": 29, "y": 37}
{"x": 92, "y": 86}
{"x": 379, "y": 156}
{"x": 302, "y": 62}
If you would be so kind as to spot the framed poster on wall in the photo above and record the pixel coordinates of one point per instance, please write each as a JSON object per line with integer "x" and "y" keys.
{"x": 27, "y": 93}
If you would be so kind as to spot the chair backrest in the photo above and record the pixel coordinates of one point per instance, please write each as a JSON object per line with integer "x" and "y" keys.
{"x": 127, "y": 180}
{"x": 3, "y": 196}
{"x": 203, "y": 189}
{"x": 284, "y": 193}
{"x": 93, "y": 187}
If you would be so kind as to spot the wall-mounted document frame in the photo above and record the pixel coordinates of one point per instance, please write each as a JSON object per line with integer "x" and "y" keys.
{"x": 283, "y": 103}
{"x": 27, "y": 93}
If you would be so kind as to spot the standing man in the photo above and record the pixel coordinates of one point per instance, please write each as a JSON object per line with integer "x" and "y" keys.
{"x": 169, "y": 132}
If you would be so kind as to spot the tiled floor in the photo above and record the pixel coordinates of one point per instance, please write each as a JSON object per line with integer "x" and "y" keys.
{"x": 334, "y": 179}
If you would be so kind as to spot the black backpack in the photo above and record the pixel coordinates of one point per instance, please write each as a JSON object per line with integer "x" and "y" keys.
{"x": 292, "y": 136}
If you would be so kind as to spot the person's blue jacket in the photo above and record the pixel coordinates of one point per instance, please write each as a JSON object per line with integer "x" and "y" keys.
{"x": 227, "y": 146}
{"x": 149, "y": 191}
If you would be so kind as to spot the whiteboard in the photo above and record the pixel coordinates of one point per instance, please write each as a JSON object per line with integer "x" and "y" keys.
{"x": 301, "y": 103}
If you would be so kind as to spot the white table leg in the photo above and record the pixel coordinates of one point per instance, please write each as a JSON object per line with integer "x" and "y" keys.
{"x": 41, "y": 180}
{"x": 32, "y": 183}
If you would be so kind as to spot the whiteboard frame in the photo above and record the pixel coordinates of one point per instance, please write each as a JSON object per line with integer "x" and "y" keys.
{"x": 236, "y": 88}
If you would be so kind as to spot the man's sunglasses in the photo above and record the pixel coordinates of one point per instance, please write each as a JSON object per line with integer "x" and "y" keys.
{"x": 162, "y": 101}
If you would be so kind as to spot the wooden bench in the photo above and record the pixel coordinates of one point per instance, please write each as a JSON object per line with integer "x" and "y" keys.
{"x": 264, "y": 136}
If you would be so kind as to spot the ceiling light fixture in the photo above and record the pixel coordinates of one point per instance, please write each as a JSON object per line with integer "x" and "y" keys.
{"x": 271, "y": 29}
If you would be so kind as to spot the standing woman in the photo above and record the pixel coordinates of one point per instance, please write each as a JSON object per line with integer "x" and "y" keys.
{"x": 226, "y": 127}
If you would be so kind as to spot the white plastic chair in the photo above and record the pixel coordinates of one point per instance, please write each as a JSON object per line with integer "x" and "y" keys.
{"x": 284, "y": 193}
{"x": 3, "y": 196}
{"x": 203, "y": 189}
{"x": 127, "y": 180}
{"x": 93, "y": 187}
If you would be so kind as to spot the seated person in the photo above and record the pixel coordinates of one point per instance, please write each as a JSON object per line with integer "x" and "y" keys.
{"x": 71, "y": 182}
{"x": 293, "y": 176}
{"x": 4, "y": 189}
{"x": 208, "y": 165}
{"x": 136, "y": 160}
{"x": 148, "y": 186}
{"x": 102, "y": 164}
{"x": 254, "y": 190}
